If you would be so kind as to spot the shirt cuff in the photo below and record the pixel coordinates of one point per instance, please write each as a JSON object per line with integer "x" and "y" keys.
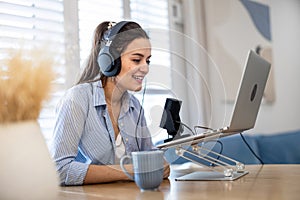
{"x": 76, "y": 173}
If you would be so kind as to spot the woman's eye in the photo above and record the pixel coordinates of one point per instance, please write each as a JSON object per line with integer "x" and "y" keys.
{"x": 136, "y": 60}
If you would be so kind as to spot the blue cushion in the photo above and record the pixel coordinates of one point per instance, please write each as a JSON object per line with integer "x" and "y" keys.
{"x": 281, "y": 148}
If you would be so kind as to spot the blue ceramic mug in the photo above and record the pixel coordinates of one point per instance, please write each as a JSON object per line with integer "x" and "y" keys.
{"x": 148, "y": 168}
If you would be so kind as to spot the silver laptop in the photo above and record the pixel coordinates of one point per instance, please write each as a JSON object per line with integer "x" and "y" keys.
{"x": 246, "y": 106}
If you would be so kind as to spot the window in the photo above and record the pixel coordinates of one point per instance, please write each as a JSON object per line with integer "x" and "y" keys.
{"x": 53, "y": 21}
{"x": 90, "y": 16}
{"x": 29, "y": 24}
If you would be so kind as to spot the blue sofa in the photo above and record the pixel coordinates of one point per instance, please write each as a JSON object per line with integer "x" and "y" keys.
{"x": 279, "y": 148}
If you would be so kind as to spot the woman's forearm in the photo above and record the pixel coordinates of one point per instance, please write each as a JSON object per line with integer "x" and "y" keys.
{"x": 111, "y": 173}
{"x": 105, "y": 173}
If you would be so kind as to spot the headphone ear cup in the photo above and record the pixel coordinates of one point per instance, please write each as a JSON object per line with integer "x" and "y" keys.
{"x": 109, "y": 60}
{"x": 117, "y": 67}
{"x": 105, "y": 60}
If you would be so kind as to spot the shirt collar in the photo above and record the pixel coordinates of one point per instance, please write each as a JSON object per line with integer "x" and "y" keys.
{"x": 98, "y": 94}
{"x": 99, "y": 97}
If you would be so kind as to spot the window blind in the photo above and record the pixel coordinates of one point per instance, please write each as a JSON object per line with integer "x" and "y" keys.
{"x": 91, "y": 13}
{"x": 30, "y": 24}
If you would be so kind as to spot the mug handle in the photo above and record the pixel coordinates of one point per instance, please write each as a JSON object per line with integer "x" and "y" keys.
{"x": 125, "y": 157}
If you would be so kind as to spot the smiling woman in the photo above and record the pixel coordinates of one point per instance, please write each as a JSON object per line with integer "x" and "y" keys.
{"x": 98, "y": 120}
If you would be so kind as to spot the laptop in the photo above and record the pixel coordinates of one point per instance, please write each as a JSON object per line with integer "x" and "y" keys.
{"x": 246, "y": 106}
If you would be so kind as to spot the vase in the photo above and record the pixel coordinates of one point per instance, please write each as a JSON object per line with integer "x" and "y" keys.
{"x": 27, "y": 170}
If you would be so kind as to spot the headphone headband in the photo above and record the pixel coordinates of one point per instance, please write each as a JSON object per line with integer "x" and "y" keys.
{"x": 114, "y": 30}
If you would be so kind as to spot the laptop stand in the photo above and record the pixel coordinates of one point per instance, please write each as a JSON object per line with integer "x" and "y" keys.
{"x": 222, "y": 169}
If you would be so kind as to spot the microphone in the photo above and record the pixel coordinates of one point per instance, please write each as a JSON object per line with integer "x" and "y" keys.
{"x": 171, "y": 120}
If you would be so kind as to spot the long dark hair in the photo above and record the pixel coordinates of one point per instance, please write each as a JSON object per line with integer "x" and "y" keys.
{"x": 91, "y": 72}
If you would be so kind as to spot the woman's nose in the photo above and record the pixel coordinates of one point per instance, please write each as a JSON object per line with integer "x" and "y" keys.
{"x": 144, "y": 68}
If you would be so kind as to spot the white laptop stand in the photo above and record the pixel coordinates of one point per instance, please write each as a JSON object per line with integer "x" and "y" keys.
{"x": 223, "y": 170}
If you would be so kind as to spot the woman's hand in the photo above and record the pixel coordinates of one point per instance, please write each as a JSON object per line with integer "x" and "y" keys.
{"x": 166, "y": 170}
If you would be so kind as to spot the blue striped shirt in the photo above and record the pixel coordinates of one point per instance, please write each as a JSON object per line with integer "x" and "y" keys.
{"x": 84, "y": 135}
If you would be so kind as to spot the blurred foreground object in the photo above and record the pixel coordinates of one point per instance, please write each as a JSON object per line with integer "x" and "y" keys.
{"x": 27, "y": 170}
{"x": 25, "y": 81}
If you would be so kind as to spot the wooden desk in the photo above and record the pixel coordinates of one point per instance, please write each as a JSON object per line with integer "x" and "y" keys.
{"x": 263, "y": 182}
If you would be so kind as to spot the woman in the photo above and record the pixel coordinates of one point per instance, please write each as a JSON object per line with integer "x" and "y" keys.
{"x": 98, "y": 120}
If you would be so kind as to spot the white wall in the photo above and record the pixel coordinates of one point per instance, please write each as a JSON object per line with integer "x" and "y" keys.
{"x": 283, "y": 113}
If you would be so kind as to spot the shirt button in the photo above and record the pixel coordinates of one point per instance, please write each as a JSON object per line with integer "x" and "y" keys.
{"x": 126, "y": 139}
{"x": 121, "y": 124}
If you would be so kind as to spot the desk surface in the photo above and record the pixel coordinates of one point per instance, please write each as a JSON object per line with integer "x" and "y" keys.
{"x": 262, "y": 182}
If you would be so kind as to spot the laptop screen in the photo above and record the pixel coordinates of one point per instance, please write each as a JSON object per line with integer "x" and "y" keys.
{"x": 250, "y": 92}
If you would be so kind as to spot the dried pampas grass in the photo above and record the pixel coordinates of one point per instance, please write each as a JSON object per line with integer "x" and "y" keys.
{"x": 25, "y": 81}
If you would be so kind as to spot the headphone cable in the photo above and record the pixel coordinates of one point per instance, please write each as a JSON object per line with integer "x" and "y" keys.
{"x": 139, "y": 118}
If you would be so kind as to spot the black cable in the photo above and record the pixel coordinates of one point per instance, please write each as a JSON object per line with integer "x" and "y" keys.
{"x": 256, "y": 156}
{"x": 203, "y": 127}
{"x": 186, "y": 126}
{"x": 221, "y": 150}
{"x": 139, "y": 118}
